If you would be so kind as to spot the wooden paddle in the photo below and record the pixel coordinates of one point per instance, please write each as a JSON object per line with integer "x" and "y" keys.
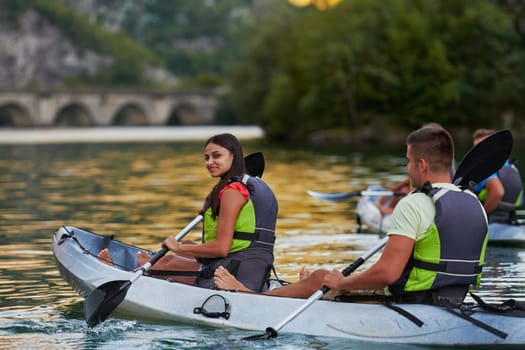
{"x": 108, "y": 296}
{"x": 480, "y": 162}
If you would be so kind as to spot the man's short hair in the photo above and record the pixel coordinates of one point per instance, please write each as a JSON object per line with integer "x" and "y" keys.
{"x": 435, "y": 145}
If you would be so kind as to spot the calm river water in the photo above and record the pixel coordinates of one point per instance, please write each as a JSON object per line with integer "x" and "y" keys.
{"x": 143, "y": 192}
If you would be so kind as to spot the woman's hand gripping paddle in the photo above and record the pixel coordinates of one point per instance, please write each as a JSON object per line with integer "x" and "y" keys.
{"x": 480, "y": 162}
{"x": 108, "y": 296}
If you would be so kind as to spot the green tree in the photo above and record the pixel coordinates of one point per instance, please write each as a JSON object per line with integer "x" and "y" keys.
{"x": 397, "y": 63}
{"x": 193, "y": 37}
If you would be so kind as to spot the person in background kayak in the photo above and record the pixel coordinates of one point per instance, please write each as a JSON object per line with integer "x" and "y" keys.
{"x": 431, "y": 254}
{"x": 502, "y": 191}
{"x": 386, "y": 204}
{"x": 240, "y": 215}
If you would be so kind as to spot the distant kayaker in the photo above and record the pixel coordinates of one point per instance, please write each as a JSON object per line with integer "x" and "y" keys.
{"x": 502, "y": 191}
{"x": 386, "y": 204}
{"x": 240, "y": 215}
{"x": 436, "y": 242}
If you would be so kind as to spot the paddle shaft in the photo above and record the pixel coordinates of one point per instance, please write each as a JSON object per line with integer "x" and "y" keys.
{"x": 370, "y": 193}
{"x": 347, "y": 271}
{"x": 340, "y": 196}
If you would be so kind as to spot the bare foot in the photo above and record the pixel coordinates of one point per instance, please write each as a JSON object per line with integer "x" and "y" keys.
{"x": 224, "y": 280}
{"x": 143, "y": 257}
{"x": 105, "y": 257}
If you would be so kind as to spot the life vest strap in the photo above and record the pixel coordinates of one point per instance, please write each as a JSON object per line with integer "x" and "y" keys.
{"x": 258, "y": 236}
{"x": 460, "y": 268}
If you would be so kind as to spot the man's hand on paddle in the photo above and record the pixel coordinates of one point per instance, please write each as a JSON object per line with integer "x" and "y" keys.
{"x": 333, "y": 279}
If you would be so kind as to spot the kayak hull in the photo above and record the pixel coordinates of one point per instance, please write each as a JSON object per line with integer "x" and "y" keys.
{"x": 160, "y": 300}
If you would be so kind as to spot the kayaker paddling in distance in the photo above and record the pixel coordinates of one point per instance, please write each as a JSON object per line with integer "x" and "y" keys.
{"x": 432, "y": 254}
{"x": 386, "y": 204}
{"x": 502, "y": 191}
{"x": 240, "y": 214}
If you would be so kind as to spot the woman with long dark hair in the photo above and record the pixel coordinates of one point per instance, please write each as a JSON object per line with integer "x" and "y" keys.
{"x": 240, "y": 214}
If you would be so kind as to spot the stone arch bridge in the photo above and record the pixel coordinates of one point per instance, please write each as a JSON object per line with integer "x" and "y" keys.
{"x": 83, "y": 108}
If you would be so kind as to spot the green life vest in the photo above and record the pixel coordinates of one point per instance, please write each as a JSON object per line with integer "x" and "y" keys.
{"x": 255, "y": 225}
{"x": 245, "y": 223}
{"x": 452, "y": 251}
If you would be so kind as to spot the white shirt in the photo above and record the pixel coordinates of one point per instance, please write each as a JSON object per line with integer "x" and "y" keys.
{"x": 414, "y": 214}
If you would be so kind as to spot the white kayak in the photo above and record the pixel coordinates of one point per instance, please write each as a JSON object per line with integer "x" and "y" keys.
{"x": 507, "y": 235}
{"x": 499, "y": 234}
{"x": 150, "y": 298}
{"x": 368, "y": 214}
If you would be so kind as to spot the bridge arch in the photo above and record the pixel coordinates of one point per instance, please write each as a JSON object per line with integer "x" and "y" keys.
{"x": 174, "y": 119}
{"x": 74, "y": 114}
{"x": 13, "y": 114}
{"x": 130, "y": 114}
{"x": 105, "y": 107}
{"x": 184, "y": 113}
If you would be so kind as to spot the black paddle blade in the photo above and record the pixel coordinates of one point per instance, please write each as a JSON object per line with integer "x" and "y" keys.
{"x": 103, "y": 300}
{"x": 255, "y": 164}
{"x": 269, "y": 334}
{"x": 484, "y": 159}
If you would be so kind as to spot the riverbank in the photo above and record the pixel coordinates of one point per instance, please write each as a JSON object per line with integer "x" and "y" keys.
{"x": 124, "y": 134}
{"x": 374, "y": 135}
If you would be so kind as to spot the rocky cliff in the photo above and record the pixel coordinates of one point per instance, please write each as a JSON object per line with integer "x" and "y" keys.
{"x": 35, "y": 53}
